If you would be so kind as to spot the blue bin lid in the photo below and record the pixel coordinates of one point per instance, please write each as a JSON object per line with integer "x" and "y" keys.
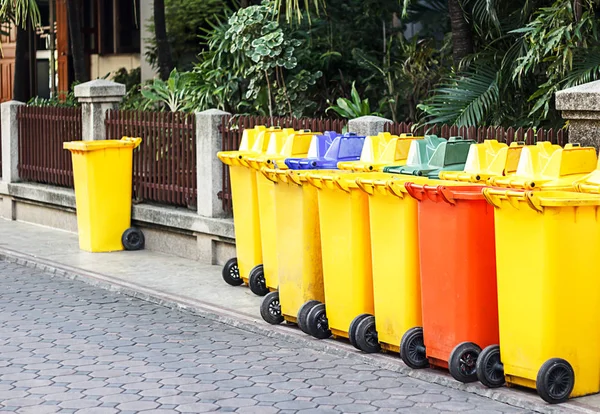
{"x": 347, "y": 147}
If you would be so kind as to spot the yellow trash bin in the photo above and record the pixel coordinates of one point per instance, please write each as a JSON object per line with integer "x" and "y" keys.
{"x": 488, "y": 159}
{"x": 245, "y": 206}
{"x": 102, "y": 172}
{"x": 345, "y": 251}
{"x": 549, "y": 167}
{"x": 548, "y": 294}
{"x": 283, "y": 144}
{"x": 299, "y": 266}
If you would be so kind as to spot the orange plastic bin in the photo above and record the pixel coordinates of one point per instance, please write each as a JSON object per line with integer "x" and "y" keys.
{"x": 458, "y": 280}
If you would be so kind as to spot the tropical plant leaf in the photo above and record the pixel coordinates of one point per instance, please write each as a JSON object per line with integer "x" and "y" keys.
{"x": 464, "y": 99}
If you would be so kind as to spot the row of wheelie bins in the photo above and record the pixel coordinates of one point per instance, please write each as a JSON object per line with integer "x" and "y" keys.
{"x": 475, "y": 258}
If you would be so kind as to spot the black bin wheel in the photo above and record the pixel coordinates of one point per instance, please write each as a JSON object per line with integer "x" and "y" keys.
{"x": 555, "y": 381}
{"x": 463, "y": 362}
{"x": 353, "y": 326}
{"x": 270, "y": 309}
{"x": 366, "y": 336}
{"x": 133, "y": 239}
{"x": 412, "y": 349}
{"x": 303, "y": 313}
{"x": 490, "y": 371}
{"x": 257, "y": 281}
{"x": 317, "y": 323}
{"x": 231, "y": 273}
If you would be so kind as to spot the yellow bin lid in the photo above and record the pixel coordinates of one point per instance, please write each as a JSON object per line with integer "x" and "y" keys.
{"x": 87, "y": 146}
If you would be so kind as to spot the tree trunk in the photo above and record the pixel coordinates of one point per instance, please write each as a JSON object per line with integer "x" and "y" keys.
{"x": 21, "y": 86}
{"x": 462, "y": 35}
{"x": 77, "y": 51}
{"x": 163, "y": 50}
{"x": 577, "y": 9}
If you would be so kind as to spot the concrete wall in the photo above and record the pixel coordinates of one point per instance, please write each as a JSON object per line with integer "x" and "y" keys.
{"x": 146, "y": 15}
{"x": 101, "y": 65}
{"x": 167, "y": 230}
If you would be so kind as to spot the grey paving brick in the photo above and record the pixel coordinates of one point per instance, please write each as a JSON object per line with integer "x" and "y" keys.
{"x": 72, "y": 348}
{"x": 196, "y": 408}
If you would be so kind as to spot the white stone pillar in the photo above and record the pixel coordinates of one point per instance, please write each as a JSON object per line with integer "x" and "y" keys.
{"x": 10, "y": 141}
{"x": 209, "y": 168}
{"x": 368, "y": 125}
{"x": 96, "y": 97}
{"x": 580, "y": 106}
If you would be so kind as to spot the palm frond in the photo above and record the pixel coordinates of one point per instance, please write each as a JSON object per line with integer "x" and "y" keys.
{"x": 484, "y": 12}
{"x": 465, "y": 99}
{"x": 585, "y": 69}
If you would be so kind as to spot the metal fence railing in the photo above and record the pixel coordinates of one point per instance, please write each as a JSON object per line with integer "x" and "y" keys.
{"x": 42, "y": 132}
{"x": 164, "y": 165}
{"x": 479, "y": 134}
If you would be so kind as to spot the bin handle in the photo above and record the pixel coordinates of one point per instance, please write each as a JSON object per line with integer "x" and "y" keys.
{"x": 512, "y": 196}
{"x": 136, "y": 141}
{"x": 446, "y": 194}
{"x": 342, "y": 186}
{"x": 268, "y": 175}
{"x": 291, "y": 176}
{"x": 587, "y": 188}
{"x": 411, "y": 188}
{"x": 533, "y": 202}
{"x": 487, "y": 194}
{"x": 243, "y": 161}
{"x": 391, "y": 186}
{"x": 364, "y": 187}
{"x": 314, "y": 181}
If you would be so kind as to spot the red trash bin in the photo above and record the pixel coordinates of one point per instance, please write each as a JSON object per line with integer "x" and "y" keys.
{"x": 458, "y": 280}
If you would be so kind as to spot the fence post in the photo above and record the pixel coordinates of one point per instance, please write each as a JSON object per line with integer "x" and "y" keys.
{"x": 96, "y": 97}
{"x": 209, "y": 141}
{"x": 580, "y": 106}
{"x": 10, "y": 141}
{"x": 368, "y": 125}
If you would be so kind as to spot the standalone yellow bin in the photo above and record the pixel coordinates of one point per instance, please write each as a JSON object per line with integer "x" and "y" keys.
{"x": 346, "y": 253}
{"x": 244, "y": 195}
{"x": 549, "y": 167}
{"x": 283, "y": 144}
{"x": 548, "y": 295}
{"x": 299, "y": 266}
{"x": 488, "y": 159}
{"x": 102, "y": 172}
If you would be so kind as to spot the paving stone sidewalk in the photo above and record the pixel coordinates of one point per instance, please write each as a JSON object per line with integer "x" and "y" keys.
{"x": 69, "y": 347}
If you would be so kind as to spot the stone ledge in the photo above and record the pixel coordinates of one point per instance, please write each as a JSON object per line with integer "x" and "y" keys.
{"x": 584, "y": 97}
{"x": 174, "y": 217}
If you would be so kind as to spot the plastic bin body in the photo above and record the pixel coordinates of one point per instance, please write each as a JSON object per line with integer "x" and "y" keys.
{"x": 282, "y": 144}
{"x": 299, "y": 265}
{"x": 457, "y": 268}
{"x": 394, "y": 255}
{"x": 488, "y": 159}
{"x": 550, "y": 167}
{"x": 381, "y": 151}
{"x": 346, "y": 248}
{"x": 343, "y": 148}
{"x": 548, "y": 298}
{"x": 244, "y": 194}
{"x": 102, "y": 172}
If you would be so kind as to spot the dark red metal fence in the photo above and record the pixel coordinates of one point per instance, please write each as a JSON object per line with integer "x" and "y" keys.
{"x": 232, "y": 129}
{"x": 480, "y": 134}
{"x": 42, "y": 131}
{"x": 164, "y": 165}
